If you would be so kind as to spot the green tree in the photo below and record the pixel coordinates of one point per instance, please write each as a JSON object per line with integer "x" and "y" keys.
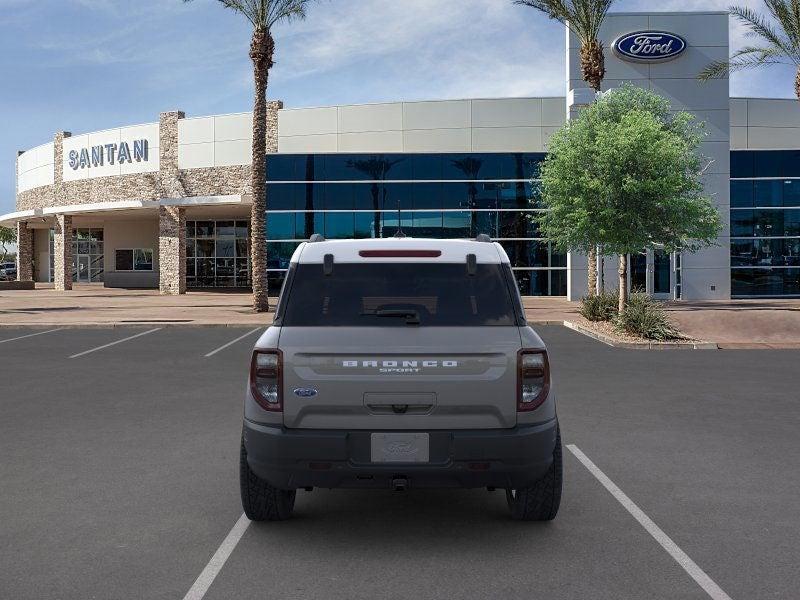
{"x": 778, "y": 36}
{"x": 263, "y": 15}
{"x": 584, "y": 19}
{"x": 626, "y": 174}
{"x": 7, "y": 236}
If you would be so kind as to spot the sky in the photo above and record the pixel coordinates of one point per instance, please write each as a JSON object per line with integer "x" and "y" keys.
{"x": 86, "y": 65}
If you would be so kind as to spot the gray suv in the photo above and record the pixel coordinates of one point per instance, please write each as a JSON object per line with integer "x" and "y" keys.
{"x": 400, "y": 363}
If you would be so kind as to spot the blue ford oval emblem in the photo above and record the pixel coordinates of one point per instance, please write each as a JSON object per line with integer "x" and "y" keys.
{"x": 649, "y": 46}
{"x": 305, "y": 392}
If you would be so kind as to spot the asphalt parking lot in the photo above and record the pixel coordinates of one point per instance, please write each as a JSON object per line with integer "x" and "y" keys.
{"x": 119, "y": 479}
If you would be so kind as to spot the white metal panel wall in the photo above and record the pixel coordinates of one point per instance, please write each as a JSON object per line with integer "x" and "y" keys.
{"x": 87, "y": 141}
{"x": 35, "y": 167}
{"x": 215, "y": 141}
{"x": 706, "y": 275}
{"x": 484, "y": 125}
{"x": 765, "y": 124}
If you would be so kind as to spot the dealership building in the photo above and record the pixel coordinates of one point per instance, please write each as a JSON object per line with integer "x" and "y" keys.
{"x": 167, "y": 204}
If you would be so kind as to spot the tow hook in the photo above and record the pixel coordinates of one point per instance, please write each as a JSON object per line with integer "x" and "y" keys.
{"x": 399, "y": 484}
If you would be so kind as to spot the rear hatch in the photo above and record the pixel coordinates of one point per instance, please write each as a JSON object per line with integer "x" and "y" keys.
{"x": 403, "y": 345}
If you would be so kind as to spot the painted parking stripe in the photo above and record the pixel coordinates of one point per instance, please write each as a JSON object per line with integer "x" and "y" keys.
{"x": 688, "y": 565}
{"x": 232, "y": 342}
{"x": 84, "y": 353}
{"x": 214, "y": 566}
{"x": 22, "y": 337}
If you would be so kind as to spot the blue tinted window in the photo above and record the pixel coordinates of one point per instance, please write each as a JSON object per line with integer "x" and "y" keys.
{"x": 791, "y": 192}
{"x": 741, "y": 194}
{"x": 765, "y": 282}
{"x": 339, "y": 225}
{"x": 454, "y": 195}
{"x": 790, "y": 163}
{"x": 427, "y": 195}
{"x": 339, "y": 196}
{"x": 282, "y": 196}
{"x": 308, "y": 223}
{"x": 457, "y": 224}
{"x": 310, "y": 167}
{"x": 427, "y": 224}
{"x": 390, "y": 221}
{"x": 426, "y": 166}
{"x": 367, "y": 196}
{"x": 464, "y": 166}
{"x": 280, "y": 226}
{"x": 281, "y": 167}
{"x": 279, "y": 254}
{"x": 742, "y": 164}
{"x": 396, "y": 194}
{"x": 367, "y": 225}
{"x": 742, "y": 223}
{"x": 311, "y": 196}
{"x": 768, "y": 193}
{"x": 791, "y": 222}
{"x": 768, "y": 163}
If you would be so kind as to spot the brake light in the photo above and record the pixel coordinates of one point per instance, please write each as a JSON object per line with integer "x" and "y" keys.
{"x": 265, "y": 379}
{"x": 533, "y": 379}
{"x": 400, "y": 253}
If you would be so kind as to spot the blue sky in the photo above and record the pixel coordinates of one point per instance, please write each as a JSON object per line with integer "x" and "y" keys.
{"x": 84, "y": 65}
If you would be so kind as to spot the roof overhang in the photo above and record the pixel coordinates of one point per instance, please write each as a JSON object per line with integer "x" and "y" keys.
{"x": 11, "y": 219}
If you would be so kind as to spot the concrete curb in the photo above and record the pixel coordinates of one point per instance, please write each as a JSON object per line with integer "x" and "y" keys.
{"x": 640, "y": 345}
{"x": 116, "y": 324}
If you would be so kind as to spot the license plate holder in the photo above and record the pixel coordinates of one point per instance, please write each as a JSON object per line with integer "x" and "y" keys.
{"x": 400, "y": 447}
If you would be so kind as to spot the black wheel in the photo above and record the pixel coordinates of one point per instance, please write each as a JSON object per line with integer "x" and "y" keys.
{"x": 540, "y": 501}
{"x": 261, "y": 501}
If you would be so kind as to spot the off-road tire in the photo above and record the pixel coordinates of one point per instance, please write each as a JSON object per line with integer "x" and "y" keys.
{"x": 261, "y": 501}
{"x": 540, "y": 501}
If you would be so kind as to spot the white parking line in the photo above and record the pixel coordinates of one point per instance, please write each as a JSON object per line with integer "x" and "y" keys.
{"x": 695, "y": 572}
{"x": 214, "y": 566}
{"x": 115, "y": 343}
{"x": 232, "y": 342}
{"x": 22, "y": 337}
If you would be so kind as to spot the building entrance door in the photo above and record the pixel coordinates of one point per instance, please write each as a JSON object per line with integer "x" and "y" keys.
{"x": 650, "y": 272}
{"x": 83, "y": 269}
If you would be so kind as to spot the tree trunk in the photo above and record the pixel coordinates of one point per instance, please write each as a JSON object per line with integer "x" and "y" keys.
{"x": 623, "y": 282}
{"x": 601, "y": 275}
{"x": 262, "y": 47}
{"x": 797, "y": 84}
{"x": 593, "y": 64}
{"x": 593, "y": 70}
{"x": 592, "y": 272}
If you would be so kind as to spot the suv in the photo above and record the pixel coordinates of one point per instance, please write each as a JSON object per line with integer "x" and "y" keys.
{"x": 400, "y": 363}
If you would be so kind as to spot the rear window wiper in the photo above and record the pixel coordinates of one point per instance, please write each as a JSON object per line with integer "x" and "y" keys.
{"x": 411, "y": 316}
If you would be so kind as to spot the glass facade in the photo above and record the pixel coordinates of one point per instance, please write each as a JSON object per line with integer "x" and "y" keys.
{"x": 765, "y": 223}
{"x": 426, "y": 195}
{"x": 217, "y": 254}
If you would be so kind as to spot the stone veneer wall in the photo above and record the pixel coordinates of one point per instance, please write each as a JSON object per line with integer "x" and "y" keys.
{"x": 62, "y": 251}
{"x": 172, "y": 250}
{"x": 169, "y": 182}
{"x": 24, "y": 252}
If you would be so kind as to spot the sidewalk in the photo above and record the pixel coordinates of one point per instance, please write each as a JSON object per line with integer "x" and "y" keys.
{"x": 732, "y": 324}
{"x": 90, "y": 305}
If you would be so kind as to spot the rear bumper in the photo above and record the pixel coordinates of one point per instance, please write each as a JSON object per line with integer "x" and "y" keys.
{"x": 503, "y": 458}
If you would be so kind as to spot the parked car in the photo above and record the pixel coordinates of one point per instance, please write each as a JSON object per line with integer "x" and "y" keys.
{"x": 8, "y": 271}
{"x": 400, "y": 363}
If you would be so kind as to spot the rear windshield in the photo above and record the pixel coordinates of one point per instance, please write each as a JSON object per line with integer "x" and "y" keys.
{"x": 397, "y": 294}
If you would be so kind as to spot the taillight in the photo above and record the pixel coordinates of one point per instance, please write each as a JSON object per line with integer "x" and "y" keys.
{"x": 533, "y": 380}
{"x": 265, "y": 379}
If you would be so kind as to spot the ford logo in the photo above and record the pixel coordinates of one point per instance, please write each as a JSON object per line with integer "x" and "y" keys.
{"x": 649, "y": 46}
{"x": 305, "y": 392}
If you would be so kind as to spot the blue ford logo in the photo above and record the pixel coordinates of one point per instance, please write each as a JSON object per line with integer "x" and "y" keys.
{"x": 305, "y": 392}
{"x": 649, "y": 46}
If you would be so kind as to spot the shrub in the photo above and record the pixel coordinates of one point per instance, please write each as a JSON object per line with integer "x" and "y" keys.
{"x": 644, "y": 317}
{"x": 601, "y": 307}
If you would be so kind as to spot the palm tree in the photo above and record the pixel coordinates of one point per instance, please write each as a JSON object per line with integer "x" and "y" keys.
{"x": 584, "y": 19}
{"x": 263, "y": 15}
{"x": 779, "y": 38}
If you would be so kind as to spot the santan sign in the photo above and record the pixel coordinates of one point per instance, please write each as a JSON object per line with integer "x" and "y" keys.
{"x": 649, "y": 46}
{"x": 97, "y": 156}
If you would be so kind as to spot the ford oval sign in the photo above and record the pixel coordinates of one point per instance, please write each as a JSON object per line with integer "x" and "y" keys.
{"x": 305, "y": 392}
{"x": 649, "y": 46}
